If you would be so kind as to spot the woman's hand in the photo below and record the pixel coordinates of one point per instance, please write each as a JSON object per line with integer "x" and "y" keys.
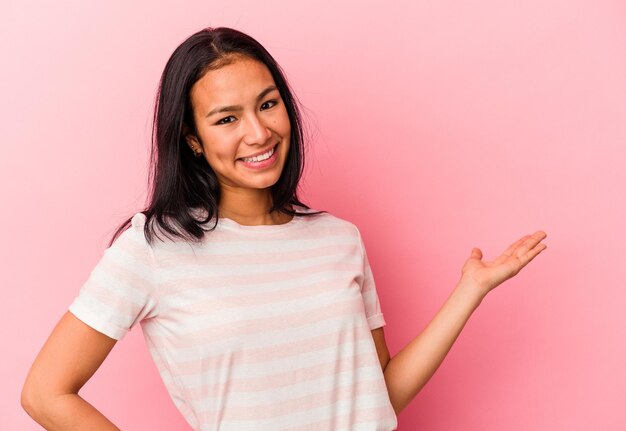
{"x": 409, "y": 370}
{"x": 487, "y": 275}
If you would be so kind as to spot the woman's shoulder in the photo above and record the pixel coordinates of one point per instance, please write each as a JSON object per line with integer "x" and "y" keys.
{"x": 138, "y": 221}
{"x": 130, "y": 239}
{"x": 158, "y": 236}
{"x": 157, "y": 229}
{"x": 329, "y": 220}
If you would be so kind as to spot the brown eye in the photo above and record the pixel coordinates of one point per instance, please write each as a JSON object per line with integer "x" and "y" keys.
{"x": 269, "y": 101}
{"x": 226, "y": 118}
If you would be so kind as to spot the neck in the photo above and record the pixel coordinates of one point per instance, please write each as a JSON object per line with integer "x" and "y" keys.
{"x": 250, "y": 207}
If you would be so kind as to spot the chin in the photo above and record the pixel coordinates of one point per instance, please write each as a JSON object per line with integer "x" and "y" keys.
{"x": 267, "y": 184}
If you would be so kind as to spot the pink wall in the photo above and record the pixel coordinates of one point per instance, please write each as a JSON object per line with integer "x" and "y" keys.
{"x": 438, "y": 126}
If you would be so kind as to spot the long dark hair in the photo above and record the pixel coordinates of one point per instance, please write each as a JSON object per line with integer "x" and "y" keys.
{"x": 181, "y": 183}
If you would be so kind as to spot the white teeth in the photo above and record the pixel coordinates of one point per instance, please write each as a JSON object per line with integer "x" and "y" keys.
{"x": 259, "y": 158}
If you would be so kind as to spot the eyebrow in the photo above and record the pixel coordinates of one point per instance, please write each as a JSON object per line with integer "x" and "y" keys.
{"x": 239, "y": 107}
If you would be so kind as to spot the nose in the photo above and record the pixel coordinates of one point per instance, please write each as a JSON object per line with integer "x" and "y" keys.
{"x": 256, "y": 132}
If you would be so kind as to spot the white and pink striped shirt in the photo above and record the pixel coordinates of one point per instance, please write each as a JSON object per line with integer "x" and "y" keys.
{"x": 261, "y": 327}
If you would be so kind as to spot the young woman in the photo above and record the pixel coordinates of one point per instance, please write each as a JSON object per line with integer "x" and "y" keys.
{"x": 259, "y": 312}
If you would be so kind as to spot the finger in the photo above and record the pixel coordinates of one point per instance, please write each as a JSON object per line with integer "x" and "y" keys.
{"x": 476, "y": 253}
{"x": 530, "y": 243}
{"x": 539, "y": 235}
{"x": 509, "y": 251}
{"x": 532, "y": 253}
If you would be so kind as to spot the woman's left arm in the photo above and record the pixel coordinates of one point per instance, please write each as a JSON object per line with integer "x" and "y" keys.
{"x": 409, "y": 370}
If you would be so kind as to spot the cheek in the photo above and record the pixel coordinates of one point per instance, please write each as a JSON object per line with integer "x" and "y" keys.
{"x": 281, "y": 122}
{"x": 218, "y": 147}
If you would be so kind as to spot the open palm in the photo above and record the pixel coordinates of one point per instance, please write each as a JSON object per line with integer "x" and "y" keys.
{"x": 488, "y": 275}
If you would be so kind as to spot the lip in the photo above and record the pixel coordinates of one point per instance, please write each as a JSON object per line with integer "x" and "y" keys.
{"x": 260, "y": 152}
{"x": 269, "y": 163}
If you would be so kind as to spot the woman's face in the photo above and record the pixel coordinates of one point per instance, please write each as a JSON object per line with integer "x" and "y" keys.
{"x": 239, "y": 113}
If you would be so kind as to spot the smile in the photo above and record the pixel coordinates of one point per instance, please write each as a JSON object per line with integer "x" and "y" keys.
{"x": 261, "y": 157}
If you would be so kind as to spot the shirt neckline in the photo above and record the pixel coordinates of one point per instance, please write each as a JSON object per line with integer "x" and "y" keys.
{"x": 231, "y": 224}
{"x": 225, "y": 221}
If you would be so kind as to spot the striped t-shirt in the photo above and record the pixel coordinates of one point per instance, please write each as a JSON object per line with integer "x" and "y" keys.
{"x": 262, "y": 327}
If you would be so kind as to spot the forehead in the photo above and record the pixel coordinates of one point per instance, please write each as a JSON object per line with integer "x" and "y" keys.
{"x": 235, "y": 82}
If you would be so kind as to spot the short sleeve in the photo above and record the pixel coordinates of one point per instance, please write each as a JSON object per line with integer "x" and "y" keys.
{"x": 373, "y": 310}
{"x": 119, "y": 291}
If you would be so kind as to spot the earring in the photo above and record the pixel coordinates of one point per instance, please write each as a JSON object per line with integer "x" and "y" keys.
{"x": 197, "y": 153}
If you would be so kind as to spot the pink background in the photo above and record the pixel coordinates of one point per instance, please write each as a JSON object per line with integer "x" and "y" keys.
{"x": 436, "y": 126}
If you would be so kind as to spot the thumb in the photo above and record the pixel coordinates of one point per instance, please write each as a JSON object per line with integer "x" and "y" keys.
{"x": 476, "y": 253}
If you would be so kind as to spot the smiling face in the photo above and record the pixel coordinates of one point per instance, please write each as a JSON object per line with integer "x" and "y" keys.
{"x": 239, "y": 113}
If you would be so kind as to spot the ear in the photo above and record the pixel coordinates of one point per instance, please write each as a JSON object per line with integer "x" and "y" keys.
{"x": 191, "y": 140}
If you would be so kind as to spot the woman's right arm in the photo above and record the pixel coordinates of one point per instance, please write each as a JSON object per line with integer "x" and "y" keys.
{"x": 68, "y": 359}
